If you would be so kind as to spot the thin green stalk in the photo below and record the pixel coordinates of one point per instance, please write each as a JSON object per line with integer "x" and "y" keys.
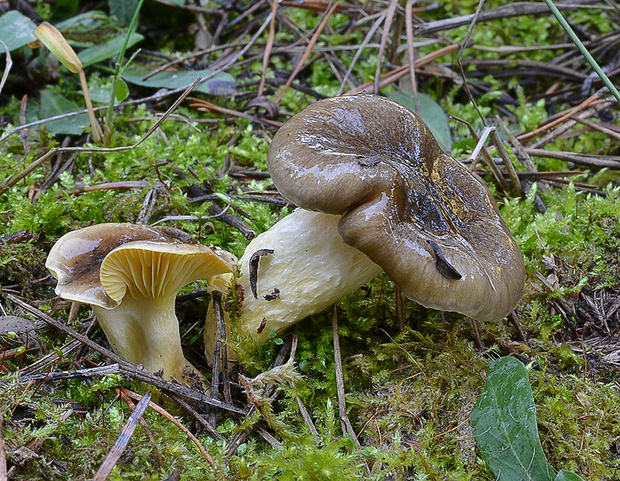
{"x": 121, "y": 55}
{"x": 582, "y": 48}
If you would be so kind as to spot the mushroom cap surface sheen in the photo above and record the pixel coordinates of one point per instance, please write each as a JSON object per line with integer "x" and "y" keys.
{"x": 414, "y": 210}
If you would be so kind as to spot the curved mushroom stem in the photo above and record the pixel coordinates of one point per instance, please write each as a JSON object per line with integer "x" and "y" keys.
{"x": 147, "y": 332}
{"x": 309, "y": 269}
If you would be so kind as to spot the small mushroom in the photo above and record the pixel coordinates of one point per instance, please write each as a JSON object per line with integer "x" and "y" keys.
{"x": 130, "y": 275}
{"x": 375, "y": 178}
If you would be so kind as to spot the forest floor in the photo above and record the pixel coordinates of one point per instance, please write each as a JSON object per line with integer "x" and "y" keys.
{"x": 377, "y": 387}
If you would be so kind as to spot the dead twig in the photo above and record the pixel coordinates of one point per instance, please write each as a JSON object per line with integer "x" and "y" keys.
{"x": 307, "y": 53}
{"x": 121, "y": 443}
{"x": 515, "y": 9}
{"x": 127, "y": 368}
{"x": 158, "y": 409}
{"x": 589, "y": 160}
{"x": 3, "y": 473}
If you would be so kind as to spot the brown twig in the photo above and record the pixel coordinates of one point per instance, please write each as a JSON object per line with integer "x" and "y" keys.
{"x": 201, "y": 104}
{"x": 268, "y": 46}
{"x": 307, "y": 53}
{"x": 600, "y": 161}
{"x": 199, "y": 418}
{"x": 411, "y": 53}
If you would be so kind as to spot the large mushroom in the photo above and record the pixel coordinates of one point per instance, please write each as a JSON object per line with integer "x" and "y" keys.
{"x": 130, "y": 275}
{"x": 375, "y": 180}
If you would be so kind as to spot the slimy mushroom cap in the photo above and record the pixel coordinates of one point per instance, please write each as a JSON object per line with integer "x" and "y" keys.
{"x": 415, "y": 211}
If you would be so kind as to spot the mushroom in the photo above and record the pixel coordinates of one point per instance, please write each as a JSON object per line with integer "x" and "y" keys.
{"x": 130, "y": 275}
{"x": 374, "y": 177}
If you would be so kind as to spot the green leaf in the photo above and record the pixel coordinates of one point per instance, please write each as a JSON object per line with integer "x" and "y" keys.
{"x": 504, "y": 424}
{"x": 432, "y": 114}
{"x": 53, "y": 104}
{"x": 121, "y": 90}
{"x": 123, "y": 10}
{"x": 105, "y": 50}
{"x": 220, "y": 83}
{"x": 567, "y": 476}
{"x": 16, "y": 30}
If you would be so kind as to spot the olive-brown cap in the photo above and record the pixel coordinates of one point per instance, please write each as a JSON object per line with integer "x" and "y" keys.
{"x": 76, "y": 258}
{"x": 415, "y": 211}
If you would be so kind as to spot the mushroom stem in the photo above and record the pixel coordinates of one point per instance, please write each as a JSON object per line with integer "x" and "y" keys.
{"x": 147, "y": 333}
{"x": 309, "y": 269}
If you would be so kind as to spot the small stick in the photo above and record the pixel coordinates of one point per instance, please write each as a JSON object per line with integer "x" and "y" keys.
{"x": 400, "y": 308}
{"x": 342, "y": 406}
{"x": 474, "y": 326}
{"x": 144, "y": 425}
{"x": 308, "y": 51}
{"x": 121, "y": 443}
{"x": 157, "y": 408}
{"x": 3, "y": 474}
{"x": 268, "y": 46}
{"x": 198, "y": 417}
{"x": 218, "y": 366}
{"x": 307, "y": 419}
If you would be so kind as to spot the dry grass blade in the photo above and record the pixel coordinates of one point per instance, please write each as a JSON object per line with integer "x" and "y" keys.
{"x": 503, "y": 153}
{"x": 589, "y": 102}
{"x": 342, "y": 403}
{"x": 7, "y": 65}
{"x": 268, "y": 46}
{"x": 144, "y": 425}
{"x": 389, "y": 17}
{"x": 307, "y": 52}
{"x": 411, "y": 52}
{"x": 123, "y": 439}
{"x": 201, "y": 104}
{"x": 600, "y": 161}
{"x": 169, "y": 417}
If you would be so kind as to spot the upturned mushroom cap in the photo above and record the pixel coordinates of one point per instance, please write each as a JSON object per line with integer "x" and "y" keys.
{"x": 150, "y": 269}
{"x": 415, "y": 211}
{"x": 76, "y": 258}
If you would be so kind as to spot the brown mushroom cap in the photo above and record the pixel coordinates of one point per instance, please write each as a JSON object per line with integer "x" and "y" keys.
{"x": 415, "y": 211}
{"x": 76, "y": 258}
